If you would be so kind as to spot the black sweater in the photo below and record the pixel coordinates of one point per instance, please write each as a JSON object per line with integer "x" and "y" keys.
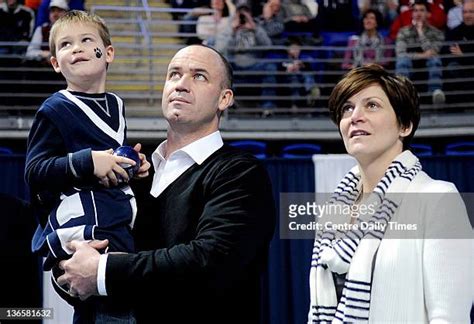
{"x": 204, "y": 243}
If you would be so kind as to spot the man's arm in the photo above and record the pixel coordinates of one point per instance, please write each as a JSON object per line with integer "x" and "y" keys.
{"x": 401, "y": 44}
{"x": 236, "y": 224}
{"x": 432, "y": 40}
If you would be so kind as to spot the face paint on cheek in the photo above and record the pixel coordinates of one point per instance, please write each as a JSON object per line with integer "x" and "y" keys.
{"x": 98, "y": 52}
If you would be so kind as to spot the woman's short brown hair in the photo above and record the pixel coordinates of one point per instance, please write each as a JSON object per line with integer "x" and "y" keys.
{"x": 400, "y": 91}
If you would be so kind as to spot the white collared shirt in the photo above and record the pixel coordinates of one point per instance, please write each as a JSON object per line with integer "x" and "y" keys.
{"x": 166, "y": 172}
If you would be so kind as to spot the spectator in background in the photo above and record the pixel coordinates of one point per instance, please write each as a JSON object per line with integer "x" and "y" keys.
{"x": 370, "y": 46}
{"x": 387, "y": 8}
{"x": 436, "y": 18}
{"x": 455, "y": 15}
{"x": 208, "y": 25}
{"x": 273, "y": 21}
{"x": 297, "y": 17}
{"x": 302, "y": 83}
{"x": 197, "y": 8}
{"x": 16, "y": 24}
{"x": 238, "y": 43}
{"x": 43, "y": 10}
{"x": 38, "y": 50}
{"x": 421, "y": 41}
{"x": 461, "y": 62}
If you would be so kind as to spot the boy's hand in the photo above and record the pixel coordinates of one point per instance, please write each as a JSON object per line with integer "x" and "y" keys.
{"x": 144, "y": 166}
{"x": 106, "y": 166}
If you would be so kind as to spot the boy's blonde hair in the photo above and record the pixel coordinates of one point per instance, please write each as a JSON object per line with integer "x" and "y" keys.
{"x": 77, "y": 16}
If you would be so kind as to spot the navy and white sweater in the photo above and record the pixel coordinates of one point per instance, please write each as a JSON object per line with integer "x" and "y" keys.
{"x": 60, "y": 173}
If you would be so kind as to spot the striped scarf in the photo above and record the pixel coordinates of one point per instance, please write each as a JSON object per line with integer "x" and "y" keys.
{"x": 352, "y": 252}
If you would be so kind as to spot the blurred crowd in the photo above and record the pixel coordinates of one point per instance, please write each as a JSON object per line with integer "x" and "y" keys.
{"x": 407, "y": 36}
{"x": 272, "y": 42}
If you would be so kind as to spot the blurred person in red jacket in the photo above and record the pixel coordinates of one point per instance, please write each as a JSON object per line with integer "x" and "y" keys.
{"x": 436, "y": 18}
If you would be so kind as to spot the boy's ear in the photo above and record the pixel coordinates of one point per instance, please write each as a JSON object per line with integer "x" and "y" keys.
{"x": 55, "y": 64}
{"x": 109, "y": 54}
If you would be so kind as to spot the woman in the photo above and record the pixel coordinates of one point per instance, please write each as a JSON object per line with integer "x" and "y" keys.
{"x": 357, "y": 272}
{"x": 370, "y": 46}
{"x": 209, "y": 25}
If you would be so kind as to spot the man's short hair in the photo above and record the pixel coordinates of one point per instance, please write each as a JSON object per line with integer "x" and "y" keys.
{"x": 422, "y": 3}
{"x": 228, "y": 78}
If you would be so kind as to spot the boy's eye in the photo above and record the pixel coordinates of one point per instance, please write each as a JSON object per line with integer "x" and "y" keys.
{"x": 87, "y": 39}
{"x": 64, "y": 44}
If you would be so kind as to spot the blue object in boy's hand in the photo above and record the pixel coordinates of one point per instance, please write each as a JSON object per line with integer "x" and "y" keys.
{"x": 130, "y": 153}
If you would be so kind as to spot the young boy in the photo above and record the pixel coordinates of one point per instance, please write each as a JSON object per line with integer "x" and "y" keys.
{"x": 70, "y": 167}
{"x": 297, "y": 74}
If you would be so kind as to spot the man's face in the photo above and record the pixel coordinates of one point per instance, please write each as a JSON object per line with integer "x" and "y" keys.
{"x": 294, "y": 51}
{"x": 420, "y": 13}
{"x": 217, "y": 4}
{"x": 11, "y": 3}
{"x": 55, "y": 13}
{"x": 194, "y": 94}
{"x": 468, "y": 13}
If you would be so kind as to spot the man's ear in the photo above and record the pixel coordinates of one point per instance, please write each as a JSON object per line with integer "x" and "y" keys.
{"x": 55, "y": 64}
{"x": 226, "y": 99}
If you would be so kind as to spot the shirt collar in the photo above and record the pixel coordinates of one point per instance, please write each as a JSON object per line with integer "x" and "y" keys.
{"x": 198, "y": 150}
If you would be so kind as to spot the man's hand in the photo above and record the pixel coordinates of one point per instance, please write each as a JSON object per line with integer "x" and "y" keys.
{"x": 300, "y": 19}
{"x": 267, "y": 11}
{"x": 144, "y": 165}
{"x": 426, "y": 54}
{"x": 419, "y": 28}
{"x": 81, "y": 270}
{"x": 456, "y": 50}
{"x": 249, "y": 22}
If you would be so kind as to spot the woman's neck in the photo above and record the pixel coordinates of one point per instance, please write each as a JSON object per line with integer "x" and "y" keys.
{"x": 371, "y": 32}
{"x": 371, "y": 176}
{"x": 372, "y": 171}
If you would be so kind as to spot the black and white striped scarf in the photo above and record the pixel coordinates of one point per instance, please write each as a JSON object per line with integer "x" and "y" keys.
{"x": 353, "y": 252}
